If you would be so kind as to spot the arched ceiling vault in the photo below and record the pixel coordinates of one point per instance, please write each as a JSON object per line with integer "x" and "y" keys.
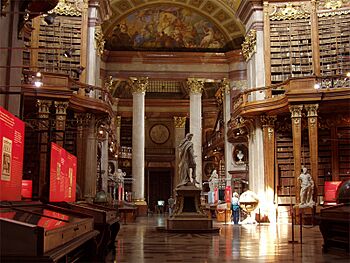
{"x": 219, "y": 15}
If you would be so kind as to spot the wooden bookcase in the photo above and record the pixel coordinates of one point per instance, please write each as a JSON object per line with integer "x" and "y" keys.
{"x": 334, "y": 35}
{"x": 285, "y": 165}
{"x": 54, "y": 40}
{"x": 291, "y": 54}
{"x": 344, "y": 152}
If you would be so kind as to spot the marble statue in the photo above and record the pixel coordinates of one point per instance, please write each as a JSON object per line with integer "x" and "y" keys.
{"x": 240, "y": 156}
{"x": 187, "y": 164}
{"x": 213, "y": 180}
{"x": 306, "y": 189}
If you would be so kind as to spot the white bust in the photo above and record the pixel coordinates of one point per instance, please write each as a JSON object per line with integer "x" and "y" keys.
{"x": 240, "y": 156}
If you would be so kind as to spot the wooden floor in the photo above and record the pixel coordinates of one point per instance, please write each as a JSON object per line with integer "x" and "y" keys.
{"x": 140, "y": 242}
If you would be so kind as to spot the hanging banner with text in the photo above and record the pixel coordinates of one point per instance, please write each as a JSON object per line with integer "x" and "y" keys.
{"x": 63, "y": 170}
{"x": 11, "y": 159}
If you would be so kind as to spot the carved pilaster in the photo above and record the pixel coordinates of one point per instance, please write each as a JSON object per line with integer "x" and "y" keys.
{"x": 179, "y": 122}
{"x": 138, "y": 85}
{"x": 296, "y": 129}
{"x": 268, "y": 124}
{"x": 43, "y": 108}
{"x": 311, "y": 110}
{"x": 61, "y": 113}
{"x": 195, "y": 85}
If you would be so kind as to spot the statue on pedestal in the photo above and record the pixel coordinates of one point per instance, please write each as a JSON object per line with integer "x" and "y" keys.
{"x": 306, "y": 189}
{"x": 187, "y": 164}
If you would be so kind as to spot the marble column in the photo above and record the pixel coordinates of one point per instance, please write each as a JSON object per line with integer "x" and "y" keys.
{"x": 268, "y": 123}
{"x": 311, "y": 110}
{"x": 225, "y": 89}
{"x": 61, "y": 115}
{"x": 296, "y": 129}
{"x": 90, "y": 176}
{"x": 44, "y": 128}
{"x": 139, "y": 87}
{"x": 179, "y": 133}
{"x": 196, "y": 86}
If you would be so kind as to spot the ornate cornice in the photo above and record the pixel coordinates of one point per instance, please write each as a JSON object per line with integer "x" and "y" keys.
{"x": 138, "y": 85}
{"x": 99, "y": 40}
{"x": 195, "y": 85}
{"x": 290, "y": 11}
{"x": 179, "y": 122}
{"x": 249, "y": 44}
{"x": 67, "y": 9}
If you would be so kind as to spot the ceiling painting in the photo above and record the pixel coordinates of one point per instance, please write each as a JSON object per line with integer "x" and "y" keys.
{"x": 167, "y": 27}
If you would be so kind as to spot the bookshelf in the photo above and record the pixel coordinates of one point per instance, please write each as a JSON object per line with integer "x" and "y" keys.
{"x": 334, "y": 35}
{"x": 54, "y": 40}
{"x": 344, "y": 152}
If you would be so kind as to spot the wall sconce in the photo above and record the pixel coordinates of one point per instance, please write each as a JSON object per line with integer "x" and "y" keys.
{"x": 69, "y": 52}
{"x": 38, "y": 80}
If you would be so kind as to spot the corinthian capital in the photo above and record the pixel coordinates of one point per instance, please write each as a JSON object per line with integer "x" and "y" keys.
{"x": 311, "y": 109}
{"x": 138, "y": 85}
{"x": 179, "y": 122}
{"x": 195, "y": 85}
{"x": 295, "y": 110}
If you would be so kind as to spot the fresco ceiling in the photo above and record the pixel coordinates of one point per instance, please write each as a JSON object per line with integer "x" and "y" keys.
{"x": 178, "y": 25}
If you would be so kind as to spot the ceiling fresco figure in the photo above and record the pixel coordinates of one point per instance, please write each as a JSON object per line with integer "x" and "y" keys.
{"x": 166, "y": 27}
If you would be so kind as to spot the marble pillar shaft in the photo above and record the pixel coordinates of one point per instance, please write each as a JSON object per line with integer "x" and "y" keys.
{"x": 138, "y": 145}
{"x": 90, "y": 177}
{"x": 196, "y": 130}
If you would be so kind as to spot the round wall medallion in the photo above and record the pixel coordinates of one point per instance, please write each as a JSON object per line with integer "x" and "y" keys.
{"x": 159, "y": 133}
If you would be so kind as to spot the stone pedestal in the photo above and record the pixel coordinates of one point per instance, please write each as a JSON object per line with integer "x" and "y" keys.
{"x": 188, "y": 215}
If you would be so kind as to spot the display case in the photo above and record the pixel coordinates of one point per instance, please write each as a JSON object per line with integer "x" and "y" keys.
{"x": 106, "y": 221}
{"x": 35, "y": 232}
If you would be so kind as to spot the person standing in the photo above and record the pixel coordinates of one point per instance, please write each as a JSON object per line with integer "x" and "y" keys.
{"x": 235, "y": 207}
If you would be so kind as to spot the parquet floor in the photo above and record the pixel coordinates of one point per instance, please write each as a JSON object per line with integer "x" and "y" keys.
{"x": 140, "y": 242}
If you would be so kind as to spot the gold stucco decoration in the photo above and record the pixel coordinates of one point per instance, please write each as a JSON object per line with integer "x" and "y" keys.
{"x": 249, "y": 44}
{"x": 179, "y": 122}
{"x": 333, "y": 4}
{"x": 289, "y": 11}
{"x": 195, "y": 85}
{"x": 138, "y": 85}
{"x": 99, "y": 40}
{"x": 65, "y": 8}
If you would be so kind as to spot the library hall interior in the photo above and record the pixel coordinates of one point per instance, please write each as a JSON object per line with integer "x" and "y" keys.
{"x": 144, "y": 131}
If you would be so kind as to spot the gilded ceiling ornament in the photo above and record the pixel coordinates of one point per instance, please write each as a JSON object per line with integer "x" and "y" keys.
{"x": 195, "y": 85}
{"x": 249, "y": 44}
{"x": 290, "y": 11}
{"x": 99, "y": 40}
{"x": 65, "y": 8}
{"x": 333, "y": 4}
{"x": 180, "y": 122}
{"x": 138, "y": 85}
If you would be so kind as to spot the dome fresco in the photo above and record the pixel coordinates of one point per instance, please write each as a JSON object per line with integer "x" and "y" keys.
{"x": 165, "y": 27}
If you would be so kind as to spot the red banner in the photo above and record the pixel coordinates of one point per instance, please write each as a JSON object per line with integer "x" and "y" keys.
{"x": 63, "y": 170}
{"x": 330, "y": 191}
{"x": 27, "y": 188}
{"x": 11, "y": 159}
